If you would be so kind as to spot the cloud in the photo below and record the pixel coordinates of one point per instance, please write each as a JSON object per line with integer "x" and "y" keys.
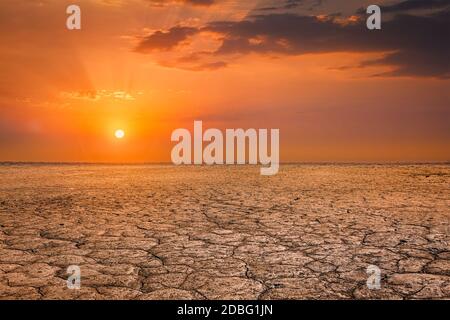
{"x": 211, "y": 66}
{"x": 410, "y": 5}
{"x": 167, "y": 40}
{"x": 200, "y": 2}
{"x": 95, "y": 95}
{"x": 203, "y": 66}
{"x": 191, "y": 2}
{"x": 411, "y": 44}
{"x": 292, "y": 4}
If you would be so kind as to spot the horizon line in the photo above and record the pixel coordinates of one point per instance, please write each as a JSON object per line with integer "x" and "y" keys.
{"x": 404, "y": 162}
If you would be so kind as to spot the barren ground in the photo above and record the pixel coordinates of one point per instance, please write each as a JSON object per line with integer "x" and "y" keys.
{"x": 158, "y": 232}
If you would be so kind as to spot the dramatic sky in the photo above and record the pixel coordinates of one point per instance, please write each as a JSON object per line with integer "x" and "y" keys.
{"x": 336, "y": 91}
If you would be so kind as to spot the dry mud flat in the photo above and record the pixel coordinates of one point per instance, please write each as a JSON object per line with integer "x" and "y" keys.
{"x": 163, "y": 232}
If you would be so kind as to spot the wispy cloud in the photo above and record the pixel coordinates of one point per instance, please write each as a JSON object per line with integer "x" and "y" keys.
{"x": 190, "y": 2}
{"x": 98, "y": 94}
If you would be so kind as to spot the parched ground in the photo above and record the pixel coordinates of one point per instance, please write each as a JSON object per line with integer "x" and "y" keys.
{"x": 158, "y": 232}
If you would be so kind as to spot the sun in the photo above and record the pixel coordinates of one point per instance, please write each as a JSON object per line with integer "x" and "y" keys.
{"x": 119, "y": 133}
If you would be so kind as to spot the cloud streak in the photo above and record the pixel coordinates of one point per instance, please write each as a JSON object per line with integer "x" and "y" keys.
{"x": 191, "y": 2}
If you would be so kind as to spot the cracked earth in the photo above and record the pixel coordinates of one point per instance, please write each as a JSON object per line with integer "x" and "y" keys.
{"x": 164, "y": 232}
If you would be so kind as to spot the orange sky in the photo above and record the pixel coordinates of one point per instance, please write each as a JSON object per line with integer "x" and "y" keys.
{"x": 150, "y": 67}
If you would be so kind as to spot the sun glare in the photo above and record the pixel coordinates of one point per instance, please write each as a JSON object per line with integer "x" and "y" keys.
{"x": 119, "y": 133}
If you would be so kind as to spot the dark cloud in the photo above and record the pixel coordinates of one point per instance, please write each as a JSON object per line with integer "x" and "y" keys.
{"x": 419, "y": 45}
{"x": 414, "y": 45}
{"x": 192, "y": 2}
{"x": 410, "y": 5}
{"x": 200, "y": 2}
{"x": 160, "y": 40}
{"x": 414, "y": 63}
{"x": 210, "y": 66}
{"x": 292, "y": 4}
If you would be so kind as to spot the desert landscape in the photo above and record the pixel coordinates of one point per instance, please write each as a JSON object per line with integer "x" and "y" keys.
{"x": 224, "y": 232}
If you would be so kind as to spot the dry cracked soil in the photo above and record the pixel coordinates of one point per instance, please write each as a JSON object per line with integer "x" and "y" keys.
{"x": 225, "y": 232}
